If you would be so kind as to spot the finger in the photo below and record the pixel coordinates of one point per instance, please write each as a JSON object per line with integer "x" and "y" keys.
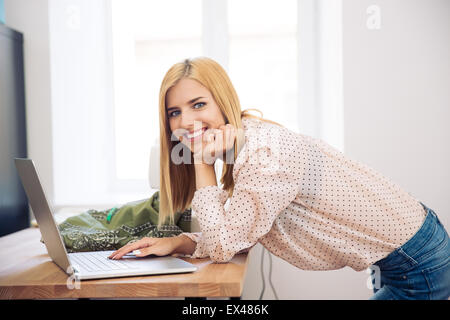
{"x": 229, "y": 146}
{"x": 144, "y": 252}
{"x": 220, "y": 142}
{"x": 134, "y": 246}
{"x": 226, "y": 136}
{"x": 212, "y": 135}
{"x": 124, "y": 247}
{"x": 206, "y": 134}
{"x": 118, "y": 250}
{"x": 124, "y": 250}
{"x": 230, "y": 131}
{"x": 232, "y": 136}
{"x": 226, "y": 128}
{"x": 219, "y": 136}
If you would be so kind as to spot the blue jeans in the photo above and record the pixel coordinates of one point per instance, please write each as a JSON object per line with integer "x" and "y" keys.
{"x": 419, "y": 269}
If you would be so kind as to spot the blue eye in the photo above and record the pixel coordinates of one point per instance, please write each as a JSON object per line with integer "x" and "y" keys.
{"x": 198, "y": 104}
{"x": 174, "y": 114}
{"x": 171, "y": 114}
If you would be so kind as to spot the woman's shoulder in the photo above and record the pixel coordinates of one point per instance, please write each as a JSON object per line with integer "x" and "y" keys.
{"x": 267, "y": 141}
{"x": 269, "y": 150}
{"x": 267, "y": 134}
{"x": 253, "y": 124}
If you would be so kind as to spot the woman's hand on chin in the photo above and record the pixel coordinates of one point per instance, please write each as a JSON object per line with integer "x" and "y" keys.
{"x": 215, "y": 143}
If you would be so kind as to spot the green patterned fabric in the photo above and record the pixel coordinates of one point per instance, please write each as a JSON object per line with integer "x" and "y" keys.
{"x": 113, "y": 228}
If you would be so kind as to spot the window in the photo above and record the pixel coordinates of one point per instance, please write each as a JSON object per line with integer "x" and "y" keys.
{"x": 263, "y": 57}
{"x": 148, "y": 37}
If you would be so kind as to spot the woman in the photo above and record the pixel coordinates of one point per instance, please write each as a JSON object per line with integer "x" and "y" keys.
{"x": 300, "y": 198}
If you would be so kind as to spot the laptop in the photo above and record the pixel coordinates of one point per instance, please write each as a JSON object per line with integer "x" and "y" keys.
{"x": 87, "y": 265}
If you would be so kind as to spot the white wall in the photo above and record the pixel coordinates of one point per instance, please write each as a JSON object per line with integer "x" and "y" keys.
{"x": 397, "y": 97}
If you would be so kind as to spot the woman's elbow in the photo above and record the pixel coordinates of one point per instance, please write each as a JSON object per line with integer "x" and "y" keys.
{"x": 221, "y": 257}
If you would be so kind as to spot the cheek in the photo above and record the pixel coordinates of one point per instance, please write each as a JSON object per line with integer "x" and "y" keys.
{"x": 172, "y": 124}
{"x": 217, "y": 118}
{"x": 172, "y": 128}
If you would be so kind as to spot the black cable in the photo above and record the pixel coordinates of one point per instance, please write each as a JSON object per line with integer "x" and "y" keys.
{"x": 270, "y": 277}
{"x": 262, "y": 274}
{"x": 270, "y": 274}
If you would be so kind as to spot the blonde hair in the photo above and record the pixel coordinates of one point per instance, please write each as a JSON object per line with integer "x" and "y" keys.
{"x": 177, "y": 181}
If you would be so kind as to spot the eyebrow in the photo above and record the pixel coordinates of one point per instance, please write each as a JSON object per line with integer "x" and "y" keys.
{"x": 189, "y": 102}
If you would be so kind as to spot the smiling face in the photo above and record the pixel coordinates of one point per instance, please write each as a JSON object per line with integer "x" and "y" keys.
{"x": 191, "y": 110}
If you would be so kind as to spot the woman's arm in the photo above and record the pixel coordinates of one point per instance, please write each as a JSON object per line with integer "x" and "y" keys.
{"x": 204, "y": 175}
{"x": 217, "y": 143}
{"x": 261, "y": 193}
{"x": 184, "y": 245}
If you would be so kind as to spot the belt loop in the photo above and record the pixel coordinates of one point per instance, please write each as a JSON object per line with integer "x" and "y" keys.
{"x": 428, "y": 209}
{"x": 433, "y": 213}
{"x": 424, "y": 206}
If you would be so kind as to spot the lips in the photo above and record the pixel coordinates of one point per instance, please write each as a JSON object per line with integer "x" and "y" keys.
{"x": 195, "y": 134}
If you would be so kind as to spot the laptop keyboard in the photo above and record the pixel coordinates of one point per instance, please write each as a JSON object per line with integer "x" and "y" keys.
{"x": 97, "y": 261}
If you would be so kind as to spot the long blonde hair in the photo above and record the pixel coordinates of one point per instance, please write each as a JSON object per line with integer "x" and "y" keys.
{"x": 177, "y": 181}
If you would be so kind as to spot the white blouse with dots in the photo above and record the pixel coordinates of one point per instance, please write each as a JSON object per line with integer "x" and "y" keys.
{"x": 306, "y": 203}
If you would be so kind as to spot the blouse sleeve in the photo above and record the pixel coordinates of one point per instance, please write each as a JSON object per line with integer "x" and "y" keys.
{"x": 264, "y": 186}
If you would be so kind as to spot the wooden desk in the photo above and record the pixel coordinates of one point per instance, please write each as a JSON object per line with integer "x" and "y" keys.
{"x": 27, "y": 272}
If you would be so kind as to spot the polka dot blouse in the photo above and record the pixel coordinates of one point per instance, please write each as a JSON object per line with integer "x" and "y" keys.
{"x": 306, "y": 203}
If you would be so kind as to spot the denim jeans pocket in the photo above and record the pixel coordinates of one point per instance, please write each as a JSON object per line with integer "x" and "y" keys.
{"x": 436, "y": 249}
{"x": 438, "y": 280}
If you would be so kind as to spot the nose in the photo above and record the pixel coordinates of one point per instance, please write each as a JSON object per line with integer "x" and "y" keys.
{"x": 189, "y": 121}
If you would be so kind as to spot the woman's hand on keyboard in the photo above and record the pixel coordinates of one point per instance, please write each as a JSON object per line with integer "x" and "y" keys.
{"x": 147, "y": 246}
